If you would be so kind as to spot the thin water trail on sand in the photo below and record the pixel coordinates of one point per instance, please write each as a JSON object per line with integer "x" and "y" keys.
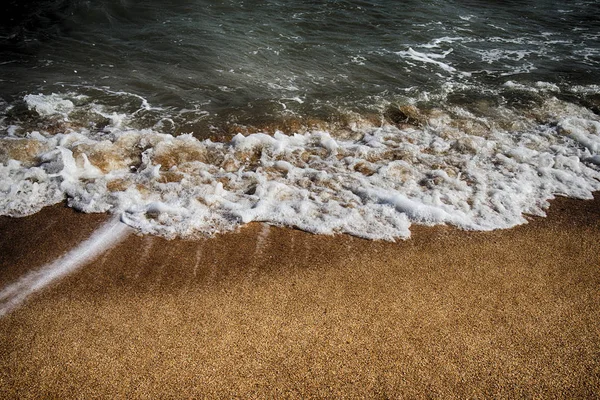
{"x": 106, "y": 236}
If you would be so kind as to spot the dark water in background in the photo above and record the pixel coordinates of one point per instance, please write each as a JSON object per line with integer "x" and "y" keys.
{"x": 471, "y": 113}
{"x": 248, "y": 61}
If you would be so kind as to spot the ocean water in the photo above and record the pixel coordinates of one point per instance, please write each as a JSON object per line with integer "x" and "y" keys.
{"x": 190, "y": 118}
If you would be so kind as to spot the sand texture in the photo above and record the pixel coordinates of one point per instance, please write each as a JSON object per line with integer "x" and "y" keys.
{"x": 277, "y": 313}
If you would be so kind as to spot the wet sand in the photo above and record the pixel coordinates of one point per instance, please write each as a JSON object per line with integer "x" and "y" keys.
{"x": 272, "y": 312}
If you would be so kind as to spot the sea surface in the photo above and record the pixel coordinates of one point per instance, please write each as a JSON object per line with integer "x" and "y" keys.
{"x": 189, "y": 118}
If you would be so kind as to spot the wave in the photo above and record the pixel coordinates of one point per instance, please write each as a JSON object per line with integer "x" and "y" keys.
{"x": 476, "y": 165}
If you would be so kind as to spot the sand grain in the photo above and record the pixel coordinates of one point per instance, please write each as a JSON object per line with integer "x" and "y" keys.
{"x": 272, "y": 312}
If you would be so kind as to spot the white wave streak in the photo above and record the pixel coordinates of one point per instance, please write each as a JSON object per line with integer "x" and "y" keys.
{"x": 101, "y": 240}
{"x": 429, "y": 58}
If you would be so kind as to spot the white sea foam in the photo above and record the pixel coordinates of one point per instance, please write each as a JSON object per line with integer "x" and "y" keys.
{"x": 49, "y": 105}
{"x": 585, "y": 89}
{"x": 453, "y": 167}
{"x": 491, "y": 56}
{"x": 101, "y": 240}
{"x": 536, "y": 88}
{"x": 429, "y": 58}
{"x": 435, "y": 43}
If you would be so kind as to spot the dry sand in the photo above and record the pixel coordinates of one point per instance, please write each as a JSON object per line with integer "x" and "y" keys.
{"x": 271, "y": 312}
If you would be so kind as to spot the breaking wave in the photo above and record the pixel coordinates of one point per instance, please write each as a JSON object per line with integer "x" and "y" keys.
{"x": 474, "y": 165}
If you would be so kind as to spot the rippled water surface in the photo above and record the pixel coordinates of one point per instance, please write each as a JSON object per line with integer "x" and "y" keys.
{"x": 249, "y": 59}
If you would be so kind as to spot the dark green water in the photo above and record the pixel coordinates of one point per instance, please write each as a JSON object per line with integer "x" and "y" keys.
{"x": 247, "y": 60}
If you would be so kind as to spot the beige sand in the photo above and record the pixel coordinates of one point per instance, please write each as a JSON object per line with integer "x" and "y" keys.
{"x": 271, "y": 312}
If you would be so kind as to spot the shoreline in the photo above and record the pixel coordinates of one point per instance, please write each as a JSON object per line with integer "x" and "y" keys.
{"x": 270, "y": 311}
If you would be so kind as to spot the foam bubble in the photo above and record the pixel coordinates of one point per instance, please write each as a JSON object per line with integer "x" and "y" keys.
{"x": 439, "y": 166}
{"x": 47, "y": 105}
{"x": 428, "y": 58}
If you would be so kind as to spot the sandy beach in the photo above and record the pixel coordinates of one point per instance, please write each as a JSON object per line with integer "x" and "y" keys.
{"x": 268, "y": 312}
